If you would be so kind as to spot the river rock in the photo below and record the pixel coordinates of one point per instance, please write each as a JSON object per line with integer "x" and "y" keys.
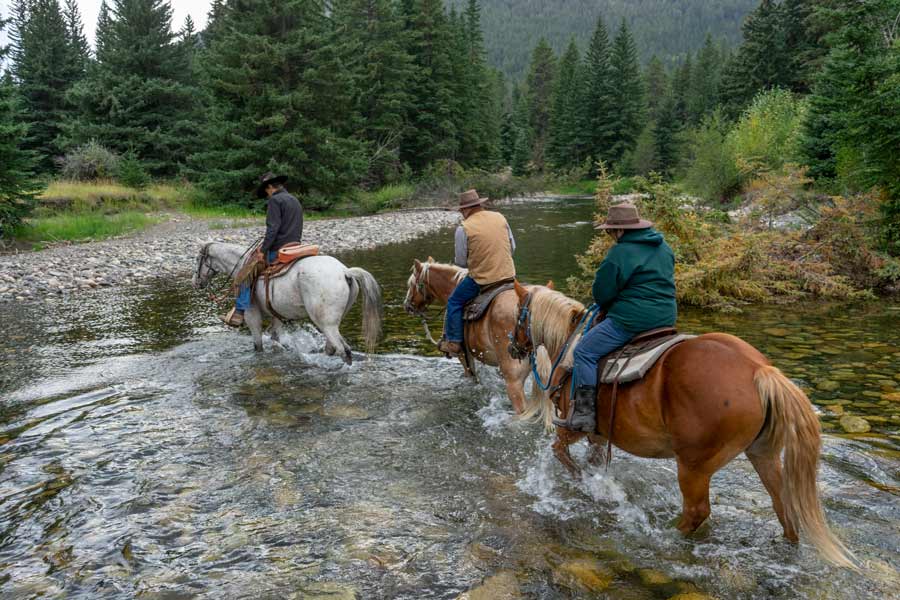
{"x": 827, "y": 385}
{"x": 325, "y": 591}
{"x": 692, "y": 596}
{"x": 776, "y": 331}
{"x": 852, "y": 424}
{"x": 584, "y": 573}
{"x": 892, "y": 396}
{"x": 653, "y": 577}
{"x": 835, "y": 408}
{"x": 502, "y": 586}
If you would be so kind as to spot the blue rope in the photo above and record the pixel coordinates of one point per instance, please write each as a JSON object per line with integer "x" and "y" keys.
{"x": 585, "y": 322}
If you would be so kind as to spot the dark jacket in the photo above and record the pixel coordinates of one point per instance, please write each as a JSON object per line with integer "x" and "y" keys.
{"x": 635, "y": 283}
{"x": 284, "y": 221}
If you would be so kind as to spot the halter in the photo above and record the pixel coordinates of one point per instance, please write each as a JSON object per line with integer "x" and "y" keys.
{"x": 421, "y": 284}
{"x": 204, "y": 257}
{"x": 523, "y": 321}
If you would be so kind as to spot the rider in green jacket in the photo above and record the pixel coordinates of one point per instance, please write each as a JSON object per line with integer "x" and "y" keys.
{"x": 635, "y": 286}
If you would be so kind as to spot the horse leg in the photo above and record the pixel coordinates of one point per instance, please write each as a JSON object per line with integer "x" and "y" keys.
{"x": 335, "y": 343}
{"x": 597, "y": 453}
{"x": 277, "y": 329}
{"x": 253, "y": 319}
{"x": 768, "y": 467}
{"x": 564, "y": 439}
{"x": 694, "y": 486}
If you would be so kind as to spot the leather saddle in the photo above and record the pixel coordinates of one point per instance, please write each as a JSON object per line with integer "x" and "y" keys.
{"x": 637, "y": 357}
{"x": 475, "y": 308}
{"x": 287, "y": 256}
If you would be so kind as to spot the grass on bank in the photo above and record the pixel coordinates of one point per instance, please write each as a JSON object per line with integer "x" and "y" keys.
{"x": 82, "y": 226}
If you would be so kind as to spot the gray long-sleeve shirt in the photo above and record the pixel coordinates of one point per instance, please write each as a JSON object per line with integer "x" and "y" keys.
{"x": 461, "y": 244}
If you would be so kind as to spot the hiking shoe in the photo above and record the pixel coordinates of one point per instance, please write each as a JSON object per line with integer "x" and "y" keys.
{"x": 232, "y": 318}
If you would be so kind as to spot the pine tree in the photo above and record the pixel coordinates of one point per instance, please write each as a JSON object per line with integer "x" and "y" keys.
{"x": 627, "y": 121}
{"x": 540, "y": 84}
{"x": 665, "y": 137}
{"x": 374, "y": 54}
{"x": 80, "y": 50}
{"x": 681, "y": 88}
{"x": 45, "y": 64}
{"x": 656, "y": 82}
{"x": 855, "y": 109}
{"x": 762, "y": 61}
{"x": 432, "y": 133}
{"x": 704, "y": 89}
{"x": 103, "y": 33}
{"x": 279, "y": 102}
{"x": 564, "y": 123}
{"x": 522, "y": 144}
{"x": 17, "y": 187}
{"x": 803, "y": 42}
{"x": 481, "y": 132}
{"x": 138, "y": 98}
{"x": 598, "y": 101}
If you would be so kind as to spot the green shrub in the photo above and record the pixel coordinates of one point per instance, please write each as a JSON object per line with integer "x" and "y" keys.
{"x": 89, "y": 162}
{"x": 713, "y": 172}
{"x": 769, "y": 132}
{"x": 389, "y": 196}
{"x": 131, "y": 172}
{"x": 81, "y": 226}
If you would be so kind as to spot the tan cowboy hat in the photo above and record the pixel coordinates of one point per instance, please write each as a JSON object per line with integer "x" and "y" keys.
{"x": 266, "y": 179}
{"x": 624, "y": 216}
{"x": 470, "y": 198}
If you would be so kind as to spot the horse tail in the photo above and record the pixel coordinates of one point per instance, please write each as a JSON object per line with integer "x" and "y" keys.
{"x": 792, "y": 425}
{"x": 373, "y": 311}
{"x": 539, "y": 406}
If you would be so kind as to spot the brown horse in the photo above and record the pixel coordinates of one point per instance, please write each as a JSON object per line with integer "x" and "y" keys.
{"x": 704, "y": 402}
{"x": 488, "y": 338}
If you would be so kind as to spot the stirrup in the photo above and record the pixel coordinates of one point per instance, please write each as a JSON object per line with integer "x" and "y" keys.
{"x": 590, "y": 419}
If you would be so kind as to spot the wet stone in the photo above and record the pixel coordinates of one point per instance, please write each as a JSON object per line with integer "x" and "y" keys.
{"x": 852, "y": 424}
{"x": 502, "y": 586}
{"x": 827, "y": 385}
{"x": 325, "y": 591}
{"x": 891, "y": 397}
{"x": 653, "y": 577}
{"x": 583, "y": 573}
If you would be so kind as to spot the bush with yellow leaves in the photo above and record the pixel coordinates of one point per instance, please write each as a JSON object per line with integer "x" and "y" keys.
{"x": 722, "y": 265}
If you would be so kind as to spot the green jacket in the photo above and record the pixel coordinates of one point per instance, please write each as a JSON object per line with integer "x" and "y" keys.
{"x": 635, "y": 283}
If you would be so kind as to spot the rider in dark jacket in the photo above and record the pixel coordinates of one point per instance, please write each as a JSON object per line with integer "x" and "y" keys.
{"x": 284, "y": 225}
{"x": 635, "y": 286}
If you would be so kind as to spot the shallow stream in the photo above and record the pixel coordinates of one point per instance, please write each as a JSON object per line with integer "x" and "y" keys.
{"x": 147, "y": 452}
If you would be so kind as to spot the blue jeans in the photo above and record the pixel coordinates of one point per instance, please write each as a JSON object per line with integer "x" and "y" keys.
{"x": 604, "y": 338}
{"x": 242, "y": 302}
{"x": 466, "y": 290}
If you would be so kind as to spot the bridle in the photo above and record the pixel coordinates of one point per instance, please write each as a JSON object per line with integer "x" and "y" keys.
{"x": 421, "y": 285}
{"x": 203, "y": 260}
{"x": 523, "y": 324}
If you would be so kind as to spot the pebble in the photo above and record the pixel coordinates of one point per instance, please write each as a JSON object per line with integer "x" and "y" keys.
{"x": 170, "y": 250}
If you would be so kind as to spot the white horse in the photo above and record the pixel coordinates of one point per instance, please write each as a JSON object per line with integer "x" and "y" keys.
{"x": 319, "y": 287}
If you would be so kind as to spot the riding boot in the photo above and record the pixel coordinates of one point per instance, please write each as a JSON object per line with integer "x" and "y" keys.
{"x": 451, "y": 349}
{"x": 233, "y": 318}
{"x": 583, "y": 414}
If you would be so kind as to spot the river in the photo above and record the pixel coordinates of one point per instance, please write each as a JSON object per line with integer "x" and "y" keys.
{"x": 147, "y": 452}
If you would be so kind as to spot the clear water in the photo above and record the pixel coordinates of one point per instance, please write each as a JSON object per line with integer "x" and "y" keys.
{"x": 147, "y": 452}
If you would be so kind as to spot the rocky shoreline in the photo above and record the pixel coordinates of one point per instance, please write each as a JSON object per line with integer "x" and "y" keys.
{"x": 170, "y": 249}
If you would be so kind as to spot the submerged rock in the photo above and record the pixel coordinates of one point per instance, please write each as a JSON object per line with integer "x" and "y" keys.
{"x": 892, "y": 396}
{"x": 653, "y": 577}
{"x": 826, "y": 385}
{"x": 693, "y": 596}
{"x": 325, "y": 591}
{"x": 584, "y": 573}
{"x": 502, "y": 586}
{"x": 853, "y": 424}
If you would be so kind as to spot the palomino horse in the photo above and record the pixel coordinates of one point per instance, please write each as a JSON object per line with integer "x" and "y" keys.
{"x": 319, "y": 287}
{"x": 487, "y": 338}
{"x": 705, "y": 401}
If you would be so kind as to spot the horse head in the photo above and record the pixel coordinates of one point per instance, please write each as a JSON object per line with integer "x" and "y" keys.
{"x": 204, "y": 271}
{"x": 418, "y": 295}
{"x": 520, "y": 342}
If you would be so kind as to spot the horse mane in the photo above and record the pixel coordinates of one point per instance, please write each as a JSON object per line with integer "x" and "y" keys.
{"x": 458, "y": 272}
{"x": 553, "y": 315}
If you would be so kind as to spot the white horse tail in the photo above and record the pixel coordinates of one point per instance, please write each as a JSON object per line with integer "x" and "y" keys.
{"x": 539, "y": 406}
{"x": 373, "y": 311}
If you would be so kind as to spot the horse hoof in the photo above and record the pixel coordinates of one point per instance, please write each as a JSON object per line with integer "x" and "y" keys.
{"x": 258, "y": 348}
{"x": 348, "y": 358}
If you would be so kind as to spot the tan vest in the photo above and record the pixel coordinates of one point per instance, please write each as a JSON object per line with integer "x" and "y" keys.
{"x": 490, "y": 253}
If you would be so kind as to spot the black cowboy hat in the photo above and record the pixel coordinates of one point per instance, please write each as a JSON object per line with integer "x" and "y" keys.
{"x": 269, "y": 178}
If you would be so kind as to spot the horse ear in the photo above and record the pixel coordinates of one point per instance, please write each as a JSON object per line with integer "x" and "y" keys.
{"x": 521, "y": 292}
{"x": 550, "y": 285}
{"x": 417, "y": 265}
{"x": 430, "y": 259}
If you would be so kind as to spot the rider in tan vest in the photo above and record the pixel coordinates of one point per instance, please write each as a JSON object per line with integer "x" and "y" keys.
{"x": 485, "y": 245}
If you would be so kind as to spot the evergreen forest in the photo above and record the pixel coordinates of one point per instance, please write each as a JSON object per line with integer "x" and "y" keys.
{"x": 351, "y": 95}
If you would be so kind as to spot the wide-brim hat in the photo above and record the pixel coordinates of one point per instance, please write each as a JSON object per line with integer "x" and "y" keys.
{"x": 624, "y": 216}
{"x": 470, "y": 198}
{"x": 267, "y": 179}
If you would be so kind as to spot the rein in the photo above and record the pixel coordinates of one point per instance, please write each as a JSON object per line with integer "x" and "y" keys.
{"x": 204, "y": 261}
{"x": 421, "y": 283}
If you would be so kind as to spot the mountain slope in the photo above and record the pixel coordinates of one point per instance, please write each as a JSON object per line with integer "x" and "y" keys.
{"x": 668, "y": 28}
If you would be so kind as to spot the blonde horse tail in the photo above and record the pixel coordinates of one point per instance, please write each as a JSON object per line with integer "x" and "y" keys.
{"x": 793, "y": 425}
{"x": 373, "y": 311}
{"x": 539, "y": 406}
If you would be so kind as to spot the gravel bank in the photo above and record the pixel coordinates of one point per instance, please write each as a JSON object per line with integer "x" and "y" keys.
{"x": 170, "y": 249}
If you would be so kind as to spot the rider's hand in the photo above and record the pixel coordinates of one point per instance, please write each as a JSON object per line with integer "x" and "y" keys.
{"x": 260, "y": 257}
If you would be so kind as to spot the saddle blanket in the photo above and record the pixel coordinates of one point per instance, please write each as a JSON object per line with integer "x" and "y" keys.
{"x": 476, "y": 307}
{"x": 638, "y": 364}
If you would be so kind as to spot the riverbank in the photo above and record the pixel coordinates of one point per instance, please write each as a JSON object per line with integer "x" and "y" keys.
{"x": 170, "y": 249}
